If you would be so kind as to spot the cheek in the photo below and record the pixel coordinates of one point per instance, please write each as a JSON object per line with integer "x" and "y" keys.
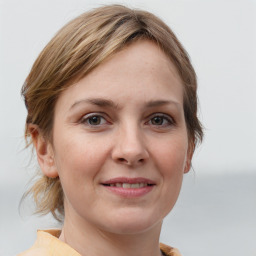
{"x": 79, "y": 159}
{"x": 75, "y": 151}
{"x": 172, "y": 169}
{"x": 77, "y": 166}
{"x": 172, "y": 157}
{"x": 171, "y": 163}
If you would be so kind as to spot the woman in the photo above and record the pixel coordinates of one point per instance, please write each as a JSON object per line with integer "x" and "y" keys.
{"x": 112, "y": 115}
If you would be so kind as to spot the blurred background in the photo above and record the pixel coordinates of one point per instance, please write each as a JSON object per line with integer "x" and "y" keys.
{"x": 216, "y": 211}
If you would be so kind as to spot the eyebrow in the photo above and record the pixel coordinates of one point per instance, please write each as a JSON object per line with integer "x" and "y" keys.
{"x": 97, "y": 102}
{"x": 111, "y": 104}
{"x": 157, "y": 103}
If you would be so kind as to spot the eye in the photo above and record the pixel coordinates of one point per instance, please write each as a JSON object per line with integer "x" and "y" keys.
{"x": 161, "y": 120}
{"x": 94, "y": 120}
{"x": 157, "y": 120}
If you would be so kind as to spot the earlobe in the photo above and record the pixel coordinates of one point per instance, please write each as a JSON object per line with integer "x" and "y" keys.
{"x": 44, "y": 152}
{"x": 190, "y": 153}
{"x": 187, "y": 166}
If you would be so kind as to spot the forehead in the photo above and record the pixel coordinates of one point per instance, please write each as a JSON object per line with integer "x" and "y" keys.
{"x": 142, "y": 68}
{"x": 143, "y": 56}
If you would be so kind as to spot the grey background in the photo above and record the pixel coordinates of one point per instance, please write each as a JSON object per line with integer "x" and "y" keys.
{"x": 216, "y": 212}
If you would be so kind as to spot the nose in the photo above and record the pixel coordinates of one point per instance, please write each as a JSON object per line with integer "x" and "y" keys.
{"x": 130, "y": 148}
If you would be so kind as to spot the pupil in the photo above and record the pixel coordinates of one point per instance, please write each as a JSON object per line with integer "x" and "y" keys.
{"x": 157, "y": 120}
{"x": 94, "y": 120}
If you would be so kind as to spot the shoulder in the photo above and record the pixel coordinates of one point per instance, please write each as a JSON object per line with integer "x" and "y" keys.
{"x": 169, "y": 251}
{"x": 48, "y": 244}
{"x": 42, "y": 245}
{"x": 34, "y": 251}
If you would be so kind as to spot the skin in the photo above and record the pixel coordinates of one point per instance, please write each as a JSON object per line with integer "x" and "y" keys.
{"x": 124, "y": 119}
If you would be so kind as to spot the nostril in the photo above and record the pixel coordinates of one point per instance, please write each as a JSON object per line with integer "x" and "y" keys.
{"x": 126, "y": 161}
{"x": 122, "y": 160}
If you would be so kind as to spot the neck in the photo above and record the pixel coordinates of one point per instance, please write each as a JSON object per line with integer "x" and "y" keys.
{"x": 88, "y": 240}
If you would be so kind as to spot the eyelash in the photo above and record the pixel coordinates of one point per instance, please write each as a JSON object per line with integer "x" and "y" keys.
{"x": 166, "y": 120}
{"x": 86, "y": 119}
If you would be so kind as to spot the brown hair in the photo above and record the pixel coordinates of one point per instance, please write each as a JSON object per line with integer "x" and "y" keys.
{"x": 79, "y": 47}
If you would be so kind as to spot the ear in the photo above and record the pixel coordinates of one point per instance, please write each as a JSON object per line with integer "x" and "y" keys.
{"x": 44, "y": 151}
{"x": 190, "y": 153}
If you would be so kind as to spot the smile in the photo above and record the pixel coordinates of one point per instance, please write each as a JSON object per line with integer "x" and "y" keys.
{"x": 128, "y": 185}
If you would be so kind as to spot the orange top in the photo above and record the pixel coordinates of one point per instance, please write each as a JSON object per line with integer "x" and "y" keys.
{"x": 48, "y": 244}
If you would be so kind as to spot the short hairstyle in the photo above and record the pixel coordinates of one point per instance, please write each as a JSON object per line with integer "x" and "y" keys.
{"x": 78, "y": 48}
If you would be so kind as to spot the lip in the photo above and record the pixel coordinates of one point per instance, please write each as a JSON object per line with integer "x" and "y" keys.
{"x": 129, "y": 180}
{"x": 129, "y": 192}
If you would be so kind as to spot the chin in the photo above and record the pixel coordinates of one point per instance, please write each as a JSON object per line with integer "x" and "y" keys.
{"x": 133, "y": 223}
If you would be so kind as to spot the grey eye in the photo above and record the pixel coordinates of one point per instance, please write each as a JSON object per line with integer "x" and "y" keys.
{"x": 94, "y": 120}
{"x": 157, "y": 120}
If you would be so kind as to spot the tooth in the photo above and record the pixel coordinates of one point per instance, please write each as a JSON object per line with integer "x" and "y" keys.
{"x": 135, "y": 185}
{"x": 141, "y": 185}
{"x": 119, "y": 185}
{"x": 112, "y": 185}
{"x": 126, "y": 185}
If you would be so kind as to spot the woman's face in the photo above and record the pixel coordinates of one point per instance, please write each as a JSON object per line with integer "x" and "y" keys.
{"x": 120, "y": 144}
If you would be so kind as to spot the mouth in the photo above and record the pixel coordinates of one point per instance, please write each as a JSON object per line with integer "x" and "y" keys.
{"x": 129, "y": 187}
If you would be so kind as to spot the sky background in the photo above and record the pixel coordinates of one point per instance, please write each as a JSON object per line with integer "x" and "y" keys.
{"x": 220, "y": 37}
